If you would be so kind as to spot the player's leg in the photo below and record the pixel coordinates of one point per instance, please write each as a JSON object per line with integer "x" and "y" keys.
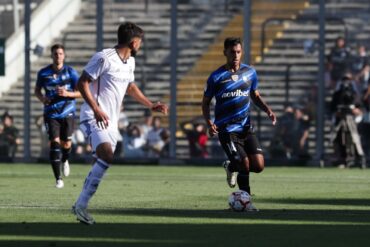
{"x": 255, "y": 154}
{"x": 66, "y": 143}
{"x": 231, "y": 165}
{"x": 53, "y": 129}
{"x": 103, "y": 145}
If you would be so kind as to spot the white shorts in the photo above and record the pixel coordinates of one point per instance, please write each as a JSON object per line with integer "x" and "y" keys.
{"x": 95, "y": 135}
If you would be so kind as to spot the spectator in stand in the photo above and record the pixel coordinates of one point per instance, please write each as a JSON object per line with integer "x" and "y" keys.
{"x": 147, "y": 123}
{"x": 338, "y": 60}
{"x": 282, "y": 144}
{"x": 165, "y": 136}
{"x": 300, "y": 131}
{"x": 360, "y": 69}
{"x": 11, "y": 134}
{"x": 154, "y": 142}
{"x": 133, "y": 142}
{"x": 196, "y": 134}
{"x": 80, "y": 147}
{"x": 3, "y": 145}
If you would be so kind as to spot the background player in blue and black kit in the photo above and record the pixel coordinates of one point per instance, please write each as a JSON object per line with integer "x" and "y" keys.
{"x": 233, "y": 85}
{"x": 59, "y": 84}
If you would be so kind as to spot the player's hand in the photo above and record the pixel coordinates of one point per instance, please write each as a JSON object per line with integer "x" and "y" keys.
{"x": 159, "y": 107}
{"x": 61, "y": 91}
{"x": 272, "y": 116}
{"x": 46, "y": 101}
{"x": 102, "y": 119}
{"x": 212, "y": 130}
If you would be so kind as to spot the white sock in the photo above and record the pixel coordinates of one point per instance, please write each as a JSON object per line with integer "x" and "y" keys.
{"x": 92, "y": 182}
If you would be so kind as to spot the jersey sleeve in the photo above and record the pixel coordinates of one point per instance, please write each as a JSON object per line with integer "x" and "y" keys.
{"x": 254, "y": 80}
{"x": 74, "y": 77}
{"x": 209, "y": 90}
{"x": 97, "y": 65}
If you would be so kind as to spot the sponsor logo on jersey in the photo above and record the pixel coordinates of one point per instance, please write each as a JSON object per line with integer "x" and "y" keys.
{"x": 235, "y": 77}
{"x": 237, "y": 93}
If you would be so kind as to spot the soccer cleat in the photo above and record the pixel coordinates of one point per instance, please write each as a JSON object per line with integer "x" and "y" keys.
{"x": 66, "y": 169}
{"x": 59, "y": 184}
{"x": 82, "y": 215}
{"x": 251, "y": 208}
{"x": 230, "y": 176}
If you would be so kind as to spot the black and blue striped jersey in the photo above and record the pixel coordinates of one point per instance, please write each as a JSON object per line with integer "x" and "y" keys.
{"x": 232, "y": 94}
{"x": 49, "y": 80}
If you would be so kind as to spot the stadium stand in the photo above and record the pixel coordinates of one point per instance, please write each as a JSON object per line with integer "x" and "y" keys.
{"x": 201, "y": 31}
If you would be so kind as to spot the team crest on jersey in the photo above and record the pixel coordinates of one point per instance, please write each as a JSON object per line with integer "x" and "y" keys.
{"x": 234, "y": 77}
{"x": 55, "y": 76}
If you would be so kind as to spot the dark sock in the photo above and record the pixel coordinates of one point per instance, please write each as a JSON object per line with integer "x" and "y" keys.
{"x": 56, "y": 170}
{"x": 54, "y": 156}
{"x": 243, "y": 182}
{"x": 65, "y": 154}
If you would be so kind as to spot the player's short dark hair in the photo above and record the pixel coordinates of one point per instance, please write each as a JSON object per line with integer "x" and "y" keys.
{"x": 232, "y": 41}
{"x": 56, "y": 47}
{"x": 127, "y": 31}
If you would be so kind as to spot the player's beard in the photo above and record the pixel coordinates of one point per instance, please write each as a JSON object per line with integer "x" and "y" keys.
{"x": 133, "y": 53}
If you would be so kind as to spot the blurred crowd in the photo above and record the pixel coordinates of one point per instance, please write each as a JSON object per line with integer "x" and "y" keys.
{"x": 348, "y": 78}
{"x": 9, "y": 138}
{"x": 347, "y": 84}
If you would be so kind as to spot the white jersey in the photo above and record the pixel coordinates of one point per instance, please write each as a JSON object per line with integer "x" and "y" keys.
{"x": 111, "y": 77}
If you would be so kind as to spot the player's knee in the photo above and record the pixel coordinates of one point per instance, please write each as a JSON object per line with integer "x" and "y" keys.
{"x": 66, "y": 145}
{"x": 259, "y": 168}
{"x": 257, "y": 163}
{"x": 104, "y": 152}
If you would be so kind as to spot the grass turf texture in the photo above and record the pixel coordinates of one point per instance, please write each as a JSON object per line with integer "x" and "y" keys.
{"x": 185, "y": 206}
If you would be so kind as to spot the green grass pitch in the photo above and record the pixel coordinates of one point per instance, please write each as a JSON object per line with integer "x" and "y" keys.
{"x": 185, "y": 206}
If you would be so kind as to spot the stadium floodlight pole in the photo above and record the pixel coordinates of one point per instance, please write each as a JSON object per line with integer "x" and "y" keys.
{"x": 99, "y": 24}
{"x": 173, "y": 56}
{"x": 247, "y": 31}
{"x": 321, "y": 87}
{"x": 15, "y": 15}
{"x": 27, "y": 81}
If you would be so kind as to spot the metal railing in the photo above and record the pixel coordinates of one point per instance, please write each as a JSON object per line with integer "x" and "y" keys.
{"x": 305, "y": 19}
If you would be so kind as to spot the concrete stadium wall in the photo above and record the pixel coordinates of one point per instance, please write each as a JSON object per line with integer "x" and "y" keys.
{"x": 47, "y": 22}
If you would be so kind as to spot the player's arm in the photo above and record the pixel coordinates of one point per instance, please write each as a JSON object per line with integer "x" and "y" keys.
{"x": 136, "y": 93}
{"x": 43, "y": 99}
{"x": 83, "y": 86}
{"x": 206, "y": 110}
{"x": 61, "y": 91}
{"x": 258, "y": 101}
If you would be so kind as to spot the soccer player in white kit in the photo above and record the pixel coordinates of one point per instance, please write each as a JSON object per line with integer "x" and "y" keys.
{"x": 107, "y": 77}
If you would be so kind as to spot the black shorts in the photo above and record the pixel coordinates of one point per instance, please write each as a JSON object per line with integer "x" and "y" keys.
{"x": 242, "y": 144}
{"x": 60, "y": 127}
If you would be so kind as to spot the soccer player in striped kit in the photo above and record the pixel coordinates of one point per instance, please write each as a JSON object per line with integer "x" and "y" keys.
{"x": 233, "y": 85}
{"x": 59, "y": 83}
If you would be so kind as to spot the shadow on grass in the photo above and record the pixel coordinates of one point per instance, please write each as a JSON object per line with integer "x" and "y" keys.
{"x": 319, "y": 201}
{"x": 266, "y": 228}
{"x": 343, "y": 216}
{"x": 120, "y": 234}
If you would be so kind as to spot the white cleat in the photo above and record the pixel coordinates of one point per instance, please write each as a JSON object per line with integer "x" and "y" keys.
{"x": 66, "y": 169}
{"x": 59, "y": 184}
{"x": 230, "y": 176}
{"x": 251, "y": 208}
{"x": 82, "y": 215}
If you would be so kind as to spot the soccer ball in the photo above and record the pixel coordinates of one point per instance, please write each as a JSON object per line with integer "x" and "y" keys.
{"x": 239, "y": 200}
